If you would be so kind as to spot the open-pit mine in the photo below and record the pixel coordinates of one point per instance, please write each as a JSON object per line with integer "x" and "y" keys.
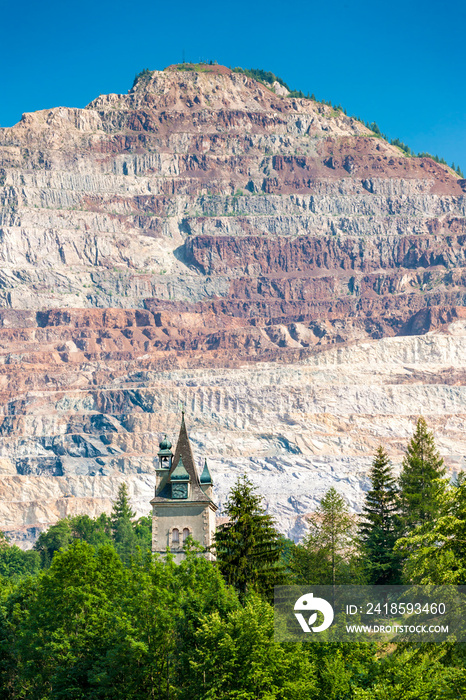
{"x": 297, "y": 282}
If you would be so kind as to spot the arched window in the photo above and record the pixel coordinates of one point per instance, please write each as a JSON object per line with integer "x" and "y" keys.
{"x": 185, "y": 534}
{"x": 175, "y": 536}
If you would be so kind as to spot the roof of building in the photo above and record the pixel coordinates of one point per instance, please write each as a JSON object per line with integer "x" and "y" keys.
{"x": 183, "y": 454}
{"x": 179, "y": 473}
{"x": 205, "y": 476}
{"x": 165, "y": 447}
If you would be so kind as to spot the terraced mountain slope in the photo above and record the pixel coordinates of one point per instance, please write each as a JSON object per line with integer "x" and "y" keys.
{"x": 205, "y": 239}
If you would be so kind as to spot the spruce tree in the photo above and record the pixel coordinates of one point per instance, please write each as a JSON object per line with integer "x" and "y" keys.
{"x": 379, "y": 524}
{"x": 121, "y": 508}
{"x": 420, "y": 485}
{"x": 248, "y": 546}
{"x": 435, "y": 553}
{"x": 121, "y": 519}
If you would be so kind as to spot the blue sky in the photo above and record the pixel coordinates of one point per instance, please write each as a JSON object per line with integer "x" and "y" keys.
{"x": 399, "y": 63}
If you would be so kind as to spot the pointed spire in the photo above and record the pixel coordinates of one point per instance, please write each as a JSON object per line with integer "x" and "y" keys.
{"x": 205, "y": 476}
{"x": 183, "y": 451}
{"x": 183, "y": 472}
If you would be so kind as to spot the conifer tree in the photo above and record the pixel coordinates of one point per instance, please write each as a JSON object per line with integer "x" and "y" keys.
{"x": 121, "y": 508}
{"x": 121, "y": 519}
{"x": 420, "y": 482}
{"x": 435, "y": 552}
{"x": 248, "y": 546}
{"x": 379, "y": 524}
{"x": 327, "y": 555}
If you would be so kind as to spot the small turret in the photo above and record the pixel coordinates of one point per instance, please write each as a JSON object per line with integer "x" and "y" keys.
{"x": 165, "y": 456}
{"x": 206, "y": 480}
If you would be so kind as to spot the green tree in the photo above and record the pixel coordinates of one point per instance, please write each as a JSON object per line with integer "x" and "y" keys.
{"x": 328, "y": 554}
{"x": 15, "y": 601}
{"x": 121, "y": 519}
{"x": 248, "y": 546}
{"x": 121, "y": 508}
{"x": 72, "y": 624}
{"x": 90, "y": 628}
{"x": 379, "y": 524}
{"x": 238, "y": 658}
{"x": 15, "y": 562}
{"x": 143, "y": 532}
{"x": 420, "y": 483}
{"x": 58, "y": 536}
{"x": 435, "y": 552}
{"x": 96, "y": 629}
{"x": 138, "y": 659}
{"x": 95, "y": 531}
{"x": 414, "y": 675}
{"x": 202, "y": 591}
{"x": 119, "y": 529}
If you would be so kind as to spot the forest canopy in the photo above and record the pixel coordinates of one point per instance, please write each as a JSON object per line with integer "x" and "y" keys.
{"x": 91, "y": 613}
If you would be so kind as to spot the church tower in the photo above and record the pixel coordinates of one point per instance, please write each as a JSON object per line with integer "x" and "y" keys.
{"x": 182, "y": 505}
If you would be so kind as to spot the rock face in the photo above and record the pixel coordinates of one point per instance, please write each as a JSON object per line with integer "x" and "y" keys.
{"x": 297, "y": 281}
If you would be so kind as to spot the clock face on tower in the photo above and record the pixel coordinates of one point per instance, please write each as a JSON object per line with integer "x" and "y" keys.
{"x": 179, "y": 490}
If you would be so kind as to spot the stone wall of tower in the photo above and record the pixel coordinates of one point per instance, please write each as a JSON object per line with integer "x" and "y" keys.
{"x": 197, "y": 517}
{"x": 209, "y": 527}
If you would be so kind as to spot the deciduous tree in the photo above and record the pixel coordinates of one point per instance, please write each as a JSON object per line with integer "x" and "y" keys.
{"x": 237, "y": 657}
{"x": 328, "y": 554}
{"x": 58, "y": 536}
